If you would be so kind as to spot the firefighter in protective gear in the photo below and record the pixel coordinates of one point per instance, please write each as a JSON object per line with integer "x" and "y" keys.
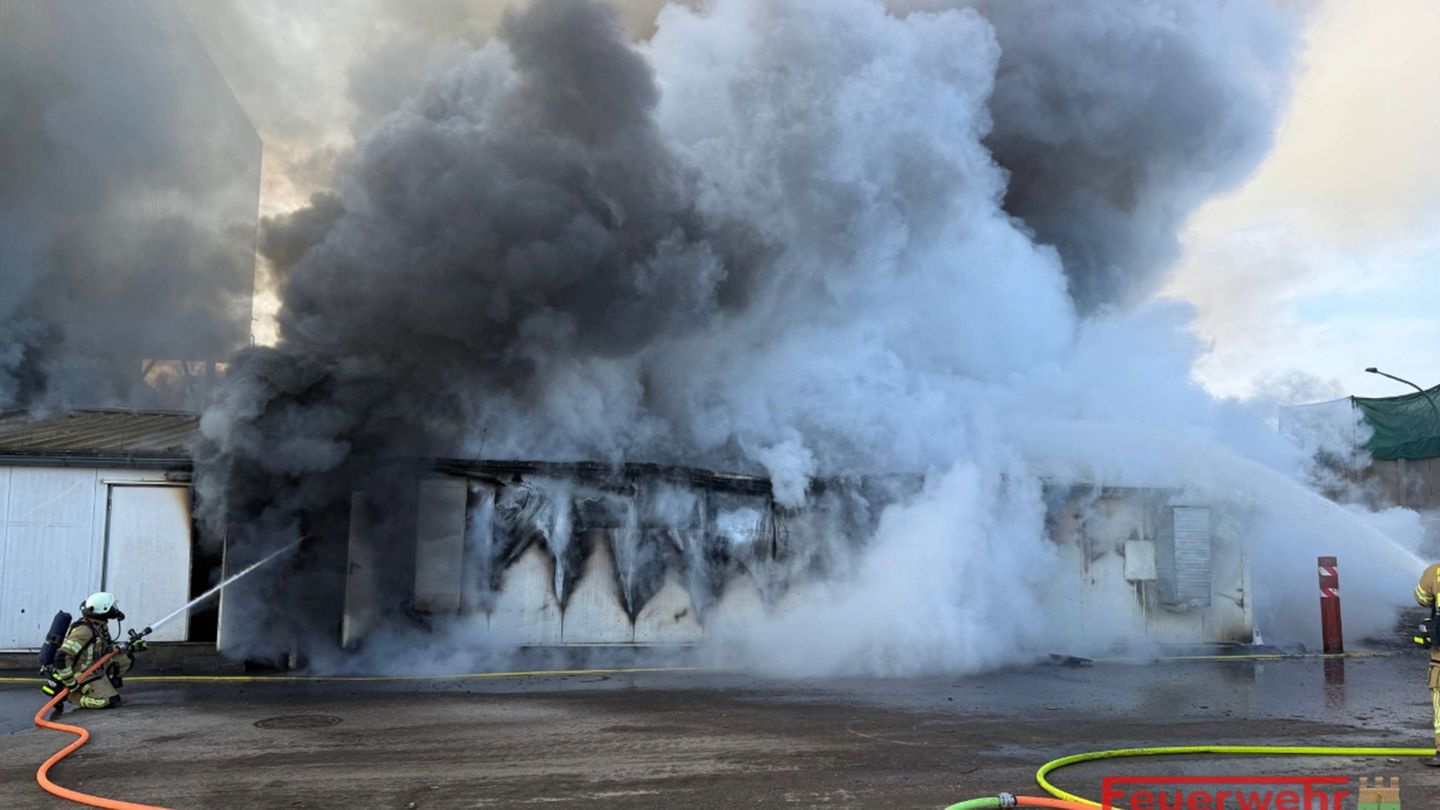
{"x": 88, "y": 640}
{"x": 1426, "y": 593}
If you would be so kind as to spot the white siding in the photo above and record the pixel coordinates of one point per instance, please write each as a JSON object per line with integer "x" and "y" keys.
{"x": 147, "y": 558}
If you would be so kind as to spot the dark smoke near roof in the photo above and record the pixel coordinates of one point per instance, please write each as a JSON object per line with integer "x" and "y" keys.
{"x": 129, "y": 182}
{"x": 488, "y": 222}
{"x": 556, "y": 201}
{"x": 1116, "y": 120}
{"x": 791, "y": 236}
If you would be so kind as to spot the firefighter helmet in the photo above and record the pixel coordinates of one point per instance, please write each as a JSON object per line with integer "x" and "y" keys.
{"x": 100, "y": 606}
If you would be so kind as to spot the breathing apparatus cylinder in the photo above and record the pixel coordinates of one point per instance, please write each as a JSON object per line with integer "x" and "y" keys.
{"x": 59, "y": 628}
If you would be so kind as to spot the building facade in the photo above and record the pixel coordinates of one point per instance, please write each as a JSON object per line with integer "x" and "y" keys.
{"x": 91, "y": 501}
{"x": 539, "y": 554}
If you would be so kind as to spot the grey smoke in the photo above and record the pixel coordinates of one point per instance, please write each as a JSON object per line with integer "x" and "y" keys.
{"x": 316, "y": 76}
{"x": 1112, "y": 136}
{"x": 552, "y": 206}
{"x": 128, "y": 196}
{"x": 799, "y": 238}
{"x": 577, "y": 234}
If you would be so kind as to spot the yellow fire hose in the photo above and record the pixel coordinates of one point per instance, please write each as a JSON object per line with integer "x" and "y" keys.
{"x": 469, "y": 676}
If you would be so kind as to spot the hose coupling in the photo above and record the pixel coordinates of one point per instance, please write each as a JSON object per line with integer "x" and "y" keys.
{"x": 1007, "y": 800}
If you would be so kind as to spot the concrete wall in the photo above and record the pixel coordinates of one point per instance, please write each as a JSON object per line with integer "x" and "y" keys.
{"x": 54, "y": 543}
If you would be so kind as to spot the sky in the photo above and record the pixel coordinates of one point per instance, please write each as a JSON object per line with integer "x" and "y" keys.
{"x": 1325, "y": 262}
{"x": 1328, "y": 260}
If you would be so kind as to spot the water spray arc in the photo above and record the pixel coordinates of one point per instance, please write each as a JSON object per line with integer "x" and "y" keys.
{"x": 223, "y": 584}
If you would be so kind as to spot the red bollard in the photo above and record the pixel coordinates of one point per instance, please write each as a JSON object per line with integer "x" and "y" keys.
{"x": 1334, "y": 640}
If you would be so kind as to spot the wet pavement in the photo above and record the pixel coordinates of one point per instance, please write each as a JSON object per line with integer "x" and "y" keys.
{"x": 715, "y": 739}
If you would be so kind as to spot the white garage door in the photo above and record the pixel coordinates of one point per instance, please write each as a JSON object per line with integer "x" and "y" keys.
{"x": 48, "y": 557}
{"x": 147, "y": 555}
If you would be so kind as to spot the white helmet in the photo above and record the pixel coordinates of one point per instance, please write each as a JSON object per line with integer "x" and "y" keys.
{"x": 100, "y": 606}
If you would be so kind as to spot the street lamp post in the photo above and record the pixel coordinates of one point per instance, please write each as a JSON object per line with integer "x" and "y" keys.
{"x": 1404, "y": 486}
{"x": 1423, "y": 392}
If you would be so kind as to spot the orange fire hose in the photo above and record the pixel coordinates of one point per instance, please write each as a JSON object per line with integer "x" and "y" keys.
{"x": 82, "y": 736}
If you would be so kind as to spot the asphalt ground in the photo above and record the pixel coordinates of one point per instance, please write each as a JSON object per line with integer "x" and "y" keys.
{"x": 712, "y": 739}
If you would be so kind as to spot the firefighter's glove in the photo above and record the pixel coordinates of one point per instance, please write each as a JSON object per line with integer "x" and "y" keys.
{"x": 53, "y": 686}
{"x": 138, "y": 644}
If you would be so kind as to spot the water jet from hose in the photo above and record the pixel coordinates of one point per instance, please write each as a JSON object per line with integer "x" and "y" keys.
{"x": 230, "y": 580}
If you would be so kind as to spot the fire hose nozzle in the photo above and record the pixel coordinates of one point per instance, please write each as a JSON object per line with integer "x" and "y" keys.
{"x": 136, "y": 635}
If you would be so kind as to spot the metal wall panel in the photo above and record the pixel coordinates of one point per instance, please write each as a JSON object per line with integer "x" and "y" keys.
{"x": 362, "y": 574}
{"x": 47, "y": 559}
{"x": 147, "y": 555}
{"x": 669, "y": 617}
{"x": 526, "y": 610}
{"x": 440, "y": 544}
{"x": 1183, "y": 557}
{"x": 593, "y": 613}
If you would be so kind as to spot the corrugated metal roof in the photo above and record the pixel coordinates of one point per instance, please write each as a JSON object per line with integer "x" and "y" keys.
{"x": 101, "y": 434}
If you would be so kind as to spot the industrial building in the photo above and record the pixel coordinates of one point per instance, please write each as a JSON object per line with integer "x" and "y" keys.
{"x": 526, "y": 553}
{"x": 532, "y": 553}
{"x": 96, "y": 500}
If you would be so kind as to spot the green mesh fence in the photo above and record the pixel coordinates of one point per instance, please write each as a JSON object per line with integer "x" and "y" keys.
{"x": 1405, "y": 427}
